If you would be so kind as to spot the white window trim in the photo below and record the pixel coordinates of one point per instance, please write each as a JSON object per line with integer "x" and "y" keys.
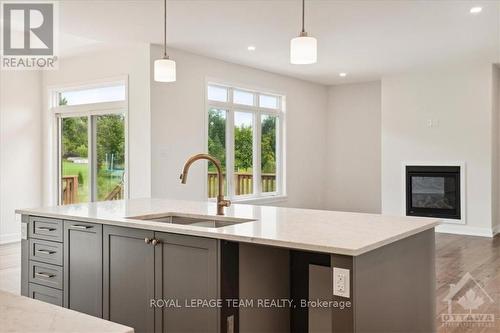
{"x": 85, "y": 110}
{"x": 257, "y": 197}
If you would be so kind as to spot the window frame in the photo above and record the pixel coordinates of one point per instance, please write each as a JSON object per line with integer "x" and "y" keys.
{"x": 257, "y": 112}
{"x": 91, "y": 111}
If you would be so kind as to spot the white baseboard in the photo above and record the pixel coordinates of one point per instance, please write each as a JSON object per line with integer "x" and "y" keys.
{"x": 496, "y": 230}
{"x": 466, "y": 230}
{"x": 10, "y": 238}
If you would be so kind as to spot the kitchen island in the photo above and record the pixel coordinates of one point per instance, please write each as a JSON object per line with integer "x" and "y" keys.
{"x": 175, "y": 266}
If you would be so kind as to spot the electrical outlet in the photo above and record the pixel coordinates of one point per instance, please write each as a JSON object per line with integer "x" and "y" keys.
{"x": 341, "y": 282}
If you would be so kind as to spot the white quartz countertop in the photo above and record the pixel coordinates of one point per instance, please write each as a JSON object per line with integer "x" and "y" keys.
{"x": 25, "y": 315}
{"x": 305, "y": 229}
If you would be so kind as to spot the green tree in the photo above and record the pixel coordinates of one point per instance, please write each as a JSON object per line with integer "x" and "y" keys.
{"x": 111, "y": 140}
{"x": 74, "y": 137}
{"x": 243, "y": 143}
{"x": 268, "y": 147}
{"x": 217, "y": 136}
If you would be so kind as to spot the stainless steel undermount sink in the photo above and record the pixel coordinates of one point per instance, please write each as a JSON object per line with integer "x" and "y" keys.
{"x": 198, "y": 221}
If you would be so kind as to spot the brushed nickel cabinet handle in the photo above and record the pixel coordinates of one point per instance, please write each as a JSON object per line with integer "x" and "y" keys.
{"x": 147, "y": 240}
{"x": 45, "y": 275}
{"x": 45, "y": 228}
{"x": 81, "y": 227}
{"x": 46, "y": 251}
{"x": 154, "y": 242}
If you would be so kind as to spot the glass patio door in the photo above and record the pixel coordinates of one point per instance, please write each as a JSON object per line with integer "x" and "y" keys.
{"x": 92, "y": 158}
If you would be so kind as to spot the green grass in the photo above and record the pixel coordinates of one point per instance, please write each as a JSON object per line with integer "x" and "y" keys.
{"x": 105, "y": 182}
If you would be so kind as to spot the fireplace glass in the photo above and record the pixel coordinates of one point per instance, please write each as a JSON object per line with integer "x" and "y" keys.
{"x": 433, "y": 191}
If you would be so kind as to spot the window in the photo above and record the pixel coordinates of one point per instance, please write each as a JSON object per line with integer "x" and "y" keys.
{"x": 245, "y": 133}
{"x": 93, "y": 95}
{"x": 91, "y": 142}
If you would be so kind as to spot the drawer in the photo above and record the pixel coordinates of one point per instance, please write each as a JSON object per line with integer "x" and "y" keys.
{"x": 45, "y": 228}
{"x": 46, "y": 294}
{"x": 46, "y": 274}
{"x": 46, "y": 251}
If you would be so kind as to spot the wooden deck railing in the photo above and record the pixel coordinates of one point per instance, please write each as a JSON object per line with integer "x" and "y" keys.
{"x": 70, "y": 190}
{"x": 116, "y": 193}
{"x": 243, "y": 183}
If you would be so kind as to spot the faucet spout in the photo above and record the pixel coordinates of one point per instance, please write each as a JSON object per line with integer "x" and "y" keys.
{"x": 221, "y": 202}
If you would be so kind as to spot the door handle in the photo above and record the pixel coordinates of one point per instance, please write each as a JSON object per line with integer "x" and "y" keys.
{"x": 45, "y": 275}
{"x": 46, "y": 251}
{"x": 81, "y": 227}
{"x": 45, "y": 228}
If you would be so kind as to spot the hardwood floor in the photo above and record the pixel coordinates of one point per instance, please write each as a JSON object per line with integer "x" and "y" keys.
{"x": 455, "y": 256}
{"x": 10, "y": 267}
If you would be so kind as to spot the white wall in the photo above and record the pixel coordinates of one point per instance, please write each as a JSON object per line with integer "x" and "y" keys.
{"x": 353, "y": 175}
{"x": 20, "y": 148}
{"x": 130, "y": 60}
{"x": 179, "y": 129}
{"x": 460, "y": 100}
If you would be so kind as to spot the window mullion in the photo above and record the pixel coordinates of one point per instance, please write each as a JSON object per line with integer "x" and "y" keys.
{"x": 59, "y": 161}
{"x": 90, "y": 157}
{"x": 256, "y": 151}
{"x": 230, "y": 149}
{"x": 279, "y": 155}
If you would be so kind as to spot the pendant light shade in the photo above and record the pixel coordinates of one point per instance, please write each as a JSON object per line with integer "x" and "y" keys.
{"x": 303, "y": 49}
{"x": 164, "y": 68}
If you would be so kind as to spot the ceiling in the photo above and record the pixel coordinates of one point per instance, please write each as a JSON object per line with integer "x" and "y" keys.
{"x": 366, "y": 39}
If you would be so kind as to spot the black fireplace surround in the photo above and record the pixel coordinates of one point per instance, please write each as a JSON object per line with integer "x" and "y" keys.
{"x": 433, "y": 191}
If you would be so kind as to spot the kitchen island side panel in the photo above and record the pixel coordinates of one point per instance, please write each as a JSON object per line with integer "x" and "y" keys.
{"x": 394, "y": 287}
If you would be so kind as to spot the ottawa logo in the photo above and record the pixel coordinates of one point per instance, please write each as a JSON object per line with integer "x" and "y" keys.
{"x": 469, "y": 297}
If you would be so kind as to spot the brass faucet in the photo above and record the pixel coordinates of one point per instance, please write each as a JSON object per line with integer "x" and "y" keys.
{"x": 221, "y": 202}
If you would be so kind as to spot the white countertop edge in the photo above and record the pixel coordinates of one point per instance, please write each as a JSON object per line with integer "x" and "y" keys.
{"x": 21, "y": 314}
{"x": 198, "y": 231}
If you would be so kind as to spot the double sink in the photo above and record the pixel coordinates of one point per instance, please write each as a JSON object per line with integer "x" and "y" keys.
{"x": 191, "y": 220}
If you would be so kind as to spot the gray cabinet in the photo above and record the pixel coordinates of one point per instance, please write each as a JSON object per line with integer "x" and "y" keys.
{"x": 128, "y": 277}
{"x": 45, "y": 228}
{"x": 83, "y": 267}
{"x": 45, "y": 294}
{"x": 186, "y": 270}
{"x": 42, "y": 275}
{"x": 115, "y": 272}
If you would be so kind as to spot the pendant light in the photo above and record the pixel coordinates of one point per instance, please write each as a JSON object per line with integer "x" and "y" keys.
{"x": 164, "y": 68}
{"x": 303, "y": 49}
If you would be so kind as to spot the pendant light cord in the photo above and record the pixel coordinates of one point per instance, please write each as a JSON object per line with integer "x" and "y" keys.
{"x": 303, "y": 16}
{"x": 165, "y": 30}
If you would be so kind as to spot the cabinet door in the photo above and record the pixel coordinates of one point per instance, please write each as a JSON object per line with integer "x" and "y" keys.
{"x": 186, "y": 270}
{"x": 128, "y": 277}
{"x": 83, "y": 267}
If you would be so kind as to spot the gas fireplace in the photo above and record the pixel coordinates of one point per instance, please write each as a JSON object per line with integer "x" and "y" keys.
{"x": 433, "y": 191}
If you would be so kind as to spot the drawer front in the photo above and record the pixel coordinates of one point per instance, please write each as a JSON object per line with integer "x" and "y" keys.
{"x": 45, "y": 228}
{"x": 46, "y": 294}
{"x": 46, "y": 251}
{"x": 46, "y": 274}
